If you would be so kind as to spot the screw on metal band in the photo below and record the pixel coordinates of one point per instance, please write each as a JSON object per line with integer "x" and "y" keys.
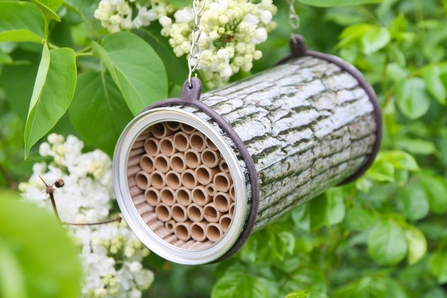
{"x": 194, "y": 51}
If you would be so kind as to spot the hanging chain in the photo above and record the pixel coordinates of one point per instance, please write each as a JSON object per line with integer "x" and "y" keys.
{"x": 294, "y": 19}
{"x": 194, "y": 52}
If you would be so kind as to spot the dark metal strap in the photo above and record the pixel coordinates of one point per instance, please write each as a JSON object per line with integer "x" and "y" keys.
{"x": 191, "y": 97}
{"x": 299, "y": 49}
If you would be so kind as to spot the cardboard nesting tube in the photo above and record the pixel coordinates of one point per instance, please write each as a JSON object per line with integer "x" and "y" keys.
{"x": 147, "y": 163}
{"x": 200, "y": 195}
{"x": 173, "y": 179}
{"x": 179, "y": 213}
{"x": 173, "y": 125}
{"x": 158, "y": 179}
{"x": 231, "y": 192}
{"x": 152, "y": 196}
{"x": 163, "y": 212}
{"x": 177, "y": 162}
{"x": 211, "y": 213}
{"x": 198, "y": 230}
{"x": 210, "y": 158}
{"x": 210, "y": 145}
{"x": 160, "y": 130}
{"x": 222, "y": 181}
{"x": 224, "y": 222}
{"x": 188, "y": 179}
{"x": 222, "y": 201}
{"x": 167, "y": 196}
{"x": 151, "y": 146}
{"x": 205, "y": 175}
{"x": 188, "y": 129}
{"x": 213, "y": 231}
{"x": 161, "y": 163}
{"x": 197, "y": 141}
{"x": 192, "y": 159}
{"x": 183, "y": 230}
{"x": 195, "y": 212}
{"x": 181, "y": 141}
{"x": 211, "y": 189}
{"x": 183, "y": 196}
{"x": 169, "y": 226}
{"x": 231, "y": 210}
{"x": 223, "y": 166}
{"x": 133, "y": 161}
{"x": 167, "y": 146}
{"x": 142, "y": 180}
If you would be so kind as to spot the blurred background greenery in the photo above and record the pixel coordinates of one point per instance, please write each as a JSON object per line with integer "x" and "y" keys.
{"x": 384, "y": 235}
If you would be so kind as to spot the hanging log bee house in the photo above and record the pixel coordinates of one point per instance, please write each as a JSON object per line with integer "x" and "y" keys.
{"x": 196, "y": 175}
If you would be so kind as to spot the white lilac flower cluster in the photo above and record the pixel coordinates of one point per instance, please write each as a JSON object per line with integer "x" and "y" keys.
{"x": 118, "y": 15}
{"x": 231, "y": 29}
{"x": 111, "y": 254}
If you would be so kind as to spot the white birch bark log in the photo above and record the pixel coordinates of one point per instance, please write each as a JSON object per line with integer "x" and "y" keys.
{"x": 307, "y": 124}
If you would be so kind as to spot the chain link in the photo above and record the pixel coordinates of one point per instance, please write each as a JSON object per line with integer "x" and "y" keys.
{"x": 294, "y": 19}
{"x": 194, "y": 51}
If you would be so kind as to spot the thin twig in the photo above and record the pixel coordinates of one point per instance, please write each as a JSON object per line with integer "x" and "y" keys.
{"x": 49, "y": 189}
{"x": 118, "y": 219}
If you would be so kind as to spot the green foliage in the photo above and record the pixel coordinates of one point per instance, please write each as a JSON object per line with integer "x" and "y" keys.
{"x": 38, "y": 257}
{"x": 381, "y": 236}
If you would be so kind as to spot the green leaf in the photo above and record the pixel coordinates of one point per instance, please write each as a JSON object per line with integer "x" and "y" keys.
{"x": 52, "y": 4}
{"x": 436, "y": 191}
{"x": 17, "y": 81}
{"x": 438, "y": 266}
{"x": 47, "y": 11}
{"x": 335, "y": 206}
{"x": 359, "y": 219}
{"x": 98, "y": 111}
{"x": 176, "y": 68}
{"x": 412, "y": 201}
{"x": 46, "y": 255}
{"x": 52, "y": 94}
{"x": 21, "y": 21}
{"x": 372, "y": 287}
{"x": 331, "y": 3}
{"x": 238, "y": 284}
{"x": 382, "y": 171}
{"x": 135, "y": 68}
{"x": 5, "y": 58}
{"x": 400, "y": 160}
{"x": 180, "y": 3}
{"x": 416, "y": 146}
{"x": 317, "y": 211}
{"x": 412, "y": 98}
{"x": 434, "y": 84}
{"x": 12, "y": 280}
{"x": 78, "y": 6}
{"x": 417, "y": 244}
{"x": 298, "y": 294}
{"x": 387, "y": 244}
{"x": 375, "y": 39}
{"x": 269, "y": 244}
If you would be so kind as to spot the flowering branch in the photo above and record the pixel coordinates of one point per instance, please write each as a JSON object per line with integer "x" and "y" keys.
{"x": 49, "y": 190}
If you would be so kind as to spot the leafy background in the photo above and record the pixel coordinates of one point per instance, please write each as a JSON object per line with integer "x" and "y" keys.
{"x": 382, "y": 236}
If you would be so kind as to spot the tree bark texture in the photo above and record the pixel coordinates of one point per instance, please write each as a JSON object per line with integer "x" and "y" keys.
{"x": 307, "y": 125}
